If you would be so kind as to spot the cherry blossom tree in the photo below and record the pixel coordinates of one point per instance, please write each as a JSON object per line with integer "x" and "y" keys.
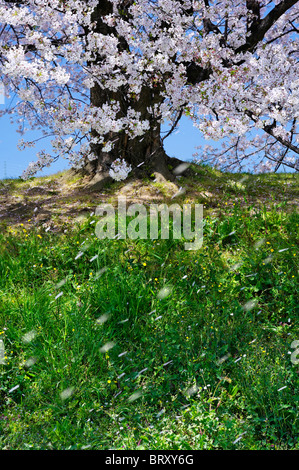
{"x": 100, "y": 78}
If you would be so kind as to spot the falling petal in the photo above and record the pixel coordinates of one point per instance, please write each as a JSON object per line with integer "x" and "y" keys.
{"x": 143, "y": 370}
{"x": 107, "y": 346}
{"x": 223, "y": 358}
{"x": 135, "y": 396}
{"x": 250, "y": 305}
{"x": 102, "y": 319}
{"x": 68, "y": 392}
{"x": 99, "y": 273}
{"x": 235, "y": 266}
{"x": 181, "y": 168}
{"x": 30, "y": 362}
{"x": 239, "y": 438}
{"x": 259, "y": 243}
{"x": 164, "y": 292}
{"x": 2, "y": 352}
{"x": 184, "y": 406}
{"x": 61, "y": 283}
{"x": 191, "y": 390}
{"x": 28, "y": 337}
{"x": 166, "y": 363}
{"x": 179, "y": 192}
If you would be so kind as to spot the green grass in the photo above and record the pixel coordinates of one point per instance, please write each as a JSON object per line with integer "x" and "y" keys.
{"x": 109, "y": 364}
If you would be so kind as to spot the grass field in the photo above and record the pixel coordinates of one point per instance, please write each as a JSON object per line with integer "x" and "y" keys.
{"x": 140, "y": 344}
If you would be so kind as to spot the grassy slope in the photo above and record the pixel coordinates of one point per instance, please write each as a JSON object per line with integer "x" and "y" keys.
{"x": 64, "y": 198}
{"x": 109, "y": 363}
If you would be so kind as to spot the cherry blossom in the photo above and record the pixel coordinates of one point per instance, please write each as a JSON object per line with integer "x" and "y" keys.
{"x": 119, "y": 170}
{"x": 85, "y": 73}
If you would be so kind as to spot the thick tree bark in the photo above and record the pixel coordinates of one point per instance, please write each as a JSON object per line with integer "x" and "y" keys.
{"x": 146, "y": 156}
{"x": 146, "y": 149}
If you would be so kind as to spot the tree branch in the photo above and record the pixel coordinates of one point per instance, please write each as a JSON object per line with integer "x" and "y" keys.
{"x": 262, "y": 27}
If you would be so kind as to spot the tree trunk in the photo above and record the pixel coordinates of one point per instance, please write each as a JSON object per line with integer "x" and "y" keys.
{"x": 146, "y": 149}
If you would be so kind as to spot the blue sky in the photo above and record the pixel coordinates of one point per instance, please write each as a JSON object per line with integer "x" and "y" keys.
{"x": 12, "y": 160}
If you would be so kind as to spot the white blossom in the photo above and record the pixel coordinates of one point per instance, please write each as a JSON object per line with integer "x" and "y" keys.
{"x": 52, "y": 55}
{"x": 119, "y": 169}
